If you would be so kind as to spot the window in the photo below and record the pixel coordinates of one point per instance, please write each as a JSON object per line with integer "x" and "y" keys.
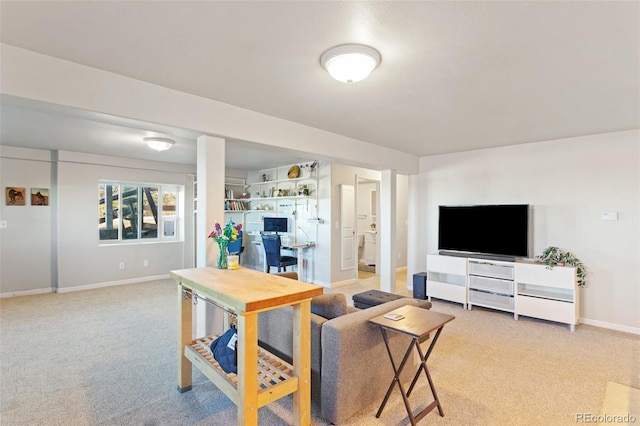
{"x": 129, "y": 212}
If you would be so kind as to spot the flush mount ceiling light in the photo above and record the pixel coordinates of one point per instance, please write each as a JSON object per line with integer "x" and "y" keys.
{"x": 350, "y": 62}
{"x": 159, "y": 144}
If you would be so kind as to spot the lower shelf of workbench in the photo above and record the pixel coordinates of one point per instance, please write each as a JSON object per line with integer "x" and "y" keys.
{"x": 275, "y": 376}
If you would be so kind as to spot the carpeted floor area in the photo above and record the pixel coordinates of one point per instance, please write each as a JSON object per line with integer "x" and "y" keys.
{"x": 108, "y": 357}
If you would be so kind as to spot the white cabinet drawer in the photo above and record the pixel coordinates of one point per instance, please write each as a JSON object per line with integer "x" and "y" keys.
{"x": 453, "y": 293}
{"x": 552, "y": 310}
{"x": 560, "y": 276}
{"x": 490, "y": 269}
{"x": 491, "y": 300}
{"x": 491, "y": 284}
{"x": 447, "y": 264}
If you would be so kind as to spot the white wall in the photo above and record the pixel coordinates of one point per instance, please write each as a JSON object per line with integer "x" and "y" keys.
{"x": 77, "y": 259}
{"x": 25, "y": 245}
{"x": 568, "y": 183}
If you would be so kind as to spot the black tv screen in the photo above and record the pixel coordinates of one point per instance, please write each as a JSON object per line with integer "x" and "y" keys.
{"x": 275, "y": 224}
{"x": 487, "y": 229}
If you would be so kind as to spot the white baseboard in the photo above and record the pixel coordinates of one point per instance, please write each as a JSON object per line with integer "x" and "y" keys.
{"x": 610, "y": 326}
{"x": 26, "y": 292}
{"x": 342, "y": 283}
{"x": 110, "y": 283}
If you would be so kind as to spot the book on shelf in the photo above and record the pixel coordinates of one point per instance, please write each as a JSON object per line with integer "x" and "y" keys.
{"x": 233, "y": 205}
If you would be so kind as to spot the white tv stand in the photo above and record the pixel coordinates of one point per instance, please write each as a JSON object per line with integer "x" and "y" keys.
{"x": 521, "y": 288}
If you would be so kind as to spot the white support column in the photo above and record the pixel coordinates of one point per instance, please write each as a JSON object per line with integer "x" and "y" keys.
{"x": 387, "y": 231}
{"x": 416, "y": 232}
{"x": 210, "y": 183}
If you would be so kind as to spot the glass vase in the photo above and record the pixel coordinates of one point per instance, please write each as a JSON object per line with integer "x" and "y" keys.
{"x": 223, "y": 254}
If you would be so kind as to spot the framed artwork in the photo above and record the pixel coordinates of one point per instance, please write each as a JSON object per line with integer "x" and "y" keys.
{"x": 15, "y": 196}
{"x": 39, "y": 196}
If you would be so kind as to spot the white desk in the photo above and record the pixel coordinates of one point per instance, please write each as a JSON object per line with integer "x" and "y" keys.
{"x": 300, "y": 248}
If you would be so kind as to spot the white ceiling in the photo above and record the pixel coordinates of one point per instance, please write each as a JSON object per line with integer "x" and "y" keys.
{"x": 454, "y": 76}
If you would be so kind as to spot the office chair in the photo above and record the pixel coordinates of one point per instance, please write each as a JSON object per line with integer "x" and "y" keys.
{"x": 272, "y": 256}
{"x": 236, "y": 247}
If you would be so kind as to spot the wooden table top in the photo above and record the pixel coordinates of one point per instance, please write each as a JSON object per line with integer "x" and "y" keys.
{"x": 417, "y": 321}
{"x": 245, "y": 289}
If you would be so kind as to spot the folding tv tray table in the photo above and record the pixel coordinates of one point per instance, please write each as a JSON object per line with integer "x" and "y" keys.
{"x": 416, "y": 323}
{"x": 262, "y": 377}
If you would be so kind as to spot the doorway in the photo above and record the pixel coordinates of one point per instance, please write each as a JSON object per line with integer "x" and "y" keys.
{"x": 367, "y": 201}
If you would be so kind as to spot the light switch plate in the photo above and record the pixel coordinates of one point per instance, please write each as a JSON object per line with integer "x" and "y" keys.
{"x": 3, "y": 224}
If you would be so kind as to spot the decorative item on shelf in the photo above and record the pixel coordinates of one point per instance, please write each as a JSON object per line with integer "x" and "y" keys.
{"x": 222, "y": 236}
{"x": 304, "y": 189}
{"x": 294, "y": 172}
{"x": 311, "y": 167}
{"x": 554, "y": 256}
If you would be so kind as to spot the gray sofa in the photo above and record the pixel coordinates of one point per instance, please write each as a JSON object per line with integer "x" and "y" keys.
{"x": 350, "y": 368}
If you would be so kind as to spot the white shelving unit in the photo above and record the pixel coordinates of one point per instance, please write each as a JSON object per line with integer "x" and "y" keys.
{"x": 271, "y": 193}
{"x": 550, "y": 294}
{"x": 447, "y": 278}
{"x": 525, "y": 289}
{"x": 233, "y": 201}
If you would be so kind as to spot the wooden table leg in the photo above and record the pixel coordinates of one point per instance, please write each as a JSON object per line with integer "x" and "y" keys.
{"x": 397, "y": 371}
{"x": 302, "y": 363}
{"x": 184, "y": 338}
{"x": 248, "y": 369}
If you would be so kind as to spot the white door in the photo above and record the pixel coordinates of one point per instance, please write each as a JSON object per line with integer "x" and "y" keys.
{"x": 347, "y": 220}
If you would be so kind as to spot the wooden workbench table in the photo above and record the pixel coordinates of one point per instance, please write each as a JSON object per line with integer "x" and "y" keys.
{"x": 262, "y": 378}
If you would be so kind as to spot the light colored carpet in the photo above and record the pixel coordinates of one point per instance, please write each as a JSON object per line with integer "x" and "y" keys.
{"x": 108, "y": 357}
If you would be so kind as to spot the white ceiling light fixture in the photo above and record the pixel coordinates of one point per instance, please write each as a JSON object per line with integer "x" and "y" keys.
{"x": 349, "y": 63}
{"x": 159, "y": 144}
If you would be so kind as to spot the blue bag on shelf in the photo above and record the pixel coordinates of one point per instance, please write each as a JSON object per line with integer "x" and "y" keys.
{"x": 225, "y": 350}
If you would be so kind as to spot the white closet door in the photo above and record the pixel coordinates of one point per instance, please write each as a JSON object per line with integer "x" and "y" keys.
{"x": 347, "y": 221}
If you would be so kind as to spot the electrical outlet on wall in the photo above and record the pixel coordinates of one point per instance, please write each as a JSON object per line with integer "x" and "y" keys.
{"x": 121, "y": 265}
{"x": 145, "y": 262}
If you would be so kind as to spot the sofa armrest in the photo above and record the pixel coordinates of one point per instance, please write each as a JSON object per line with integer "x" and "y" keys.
{"x": 356, "y": 370}
{"x": 351, "y": 309}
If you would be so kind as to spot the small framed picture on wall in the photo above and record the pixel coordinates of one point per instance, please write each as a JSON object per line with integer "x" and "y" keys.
{"x": 15, "y": 196}
{"x": 39, "y": 196}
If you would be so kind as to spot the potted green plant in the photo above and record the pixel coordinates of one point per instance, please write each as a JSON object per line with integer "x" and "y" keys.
{"x": 554, "y": 256}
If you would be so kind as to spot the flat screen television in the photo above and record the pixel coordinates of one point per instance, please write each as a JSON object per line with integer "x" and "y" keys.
{"x": 501, "y": 230}
{"x": 275, "y": 224}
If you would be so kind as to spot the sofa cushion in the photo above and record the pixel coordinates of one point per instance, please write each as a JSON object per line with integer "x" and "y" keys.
{"x": 329, "y": 305}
